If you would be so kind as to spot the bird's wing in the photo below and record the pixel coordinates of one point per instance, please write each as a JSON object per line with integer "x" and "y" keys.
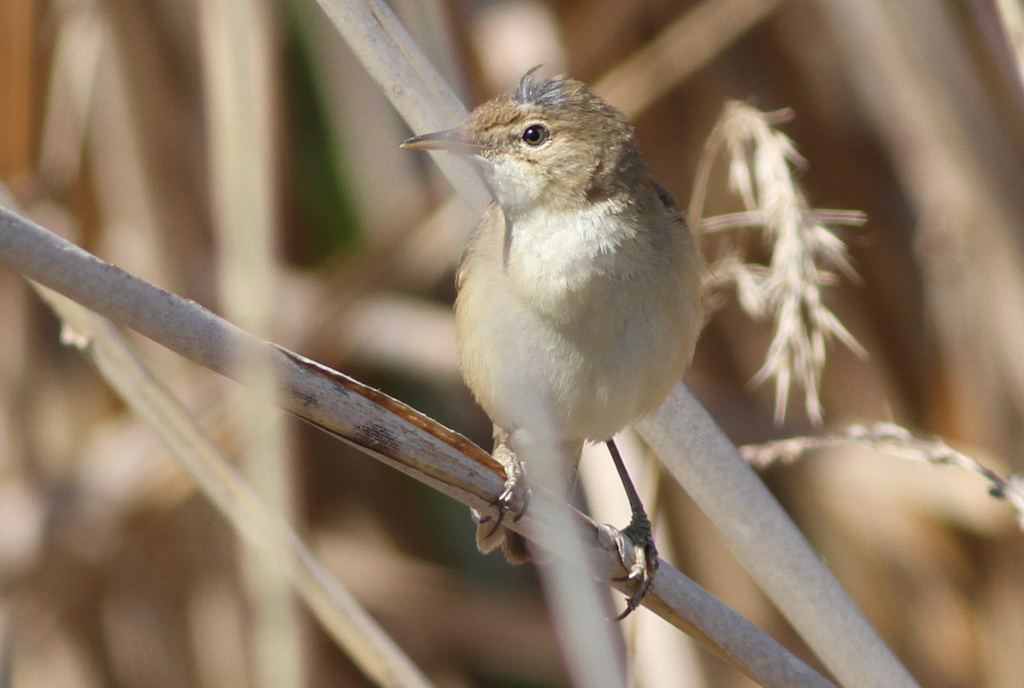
{"x": 466, "y": 258}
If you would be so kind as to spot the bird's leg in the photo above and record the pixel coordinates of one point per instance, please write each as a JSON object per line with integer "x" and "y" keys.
{"x": 645, "y": 555}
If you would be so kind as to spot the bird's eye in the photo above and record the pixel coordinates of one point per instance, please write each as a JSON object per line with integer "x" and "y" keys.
{"x": 535, "y": 134}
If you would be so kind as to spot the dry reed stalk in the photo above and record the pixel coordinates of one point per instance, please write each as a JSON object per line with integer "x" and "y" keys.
{"x": 410, "y": 82}
{"x": 238, "y": 49}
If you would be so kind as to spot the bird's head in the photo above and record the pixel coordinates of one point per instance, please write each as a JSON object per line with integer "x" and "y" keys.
{"x": 552, "y": 142}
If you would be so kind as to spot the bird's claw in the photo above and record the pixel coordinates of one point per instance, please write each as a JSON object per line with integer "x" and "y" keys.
{"x": 515, "y": 497}
{"x": 639, "y": 556}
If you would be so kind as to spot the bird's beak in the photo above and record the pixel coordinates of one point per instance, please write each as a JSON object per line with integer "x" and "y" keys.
{"x": 449, "y": 140}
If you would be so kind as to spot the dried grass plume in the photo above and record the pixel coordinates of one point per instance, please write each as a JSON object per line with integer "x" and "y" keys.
{"x": 804, "y": 250}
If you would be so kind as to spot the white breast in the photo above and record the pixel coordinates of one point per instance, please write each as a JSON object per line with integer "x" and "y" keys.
{"x": 556, "y": 257}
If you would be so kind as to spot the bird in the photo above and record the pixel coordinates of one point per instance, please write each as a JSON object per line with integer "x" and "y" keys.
{"x": 578, "y": 293}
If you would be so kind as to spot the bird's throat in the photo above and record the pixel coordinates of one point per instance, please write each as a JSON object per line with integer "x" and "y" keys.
{"x": 557, "y": 252}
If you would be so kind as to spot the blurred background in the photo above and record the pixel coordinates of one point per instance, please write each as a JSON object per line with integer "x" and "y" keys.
{"x": 123, "y": 127}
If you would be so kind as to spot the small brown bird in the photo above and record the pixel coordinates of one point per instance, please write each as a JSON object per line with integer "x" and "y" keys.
{"x": 579, "y": 291}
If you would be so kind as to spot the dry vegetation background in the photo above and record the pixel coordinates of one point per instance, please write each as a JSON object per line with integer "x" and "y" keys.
{"x": 115, "y": 571}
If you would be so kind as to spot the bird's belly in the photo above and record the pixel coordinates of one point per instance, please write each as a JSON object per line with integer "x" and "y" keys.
{"x": 592, "y": 374}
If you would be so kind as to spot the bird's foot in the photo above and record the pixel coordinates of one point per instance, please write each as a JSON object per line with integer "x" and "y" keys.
{"x": 639, "y": 555}
{"x": 514, "y": 498}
